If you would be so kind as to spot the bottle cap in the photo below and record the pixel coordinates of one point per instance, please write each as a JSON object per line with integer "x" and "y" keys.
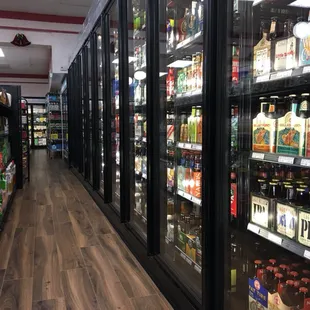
{"x": 303, "y": 290}
{"x": 274, "y": 97}
{"x": 258, "y": 262}
{"x": 305, "y": 280}
{"x": 283, "y": 266}
{"x": 290, "y": 282}
{"x": 261, "y": 180}
{"x": 269, "y": 268}
{"x": 293, "y": 96}
{"x": 279, "y": 275}
{"x": 306, "y": 271}
{"x": 299, "y": 189}
{"x": 305, "y": 94}
{"x": 275, "y": 269}
{"x": 289, "y": 186}
{"x": 294, "y": 273}
{"x": 272, "y": 260}
{"x": 296, "y": 283}
{"x": 273, "y": 183}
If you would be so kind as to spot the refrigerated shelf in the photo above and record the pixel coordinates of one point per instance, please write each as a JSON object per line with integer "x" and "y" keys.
{"x": 186, "y": 258}
{"x": 297, "y": 161}
{"x": 189, "y": 197}
{"x": 287, "y": 244}
{"x": 189, "y": 146}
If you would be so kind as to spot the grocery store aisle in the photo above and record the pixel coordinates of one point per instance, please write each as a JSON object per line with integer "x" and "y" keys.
{"x": 58, "y": 251}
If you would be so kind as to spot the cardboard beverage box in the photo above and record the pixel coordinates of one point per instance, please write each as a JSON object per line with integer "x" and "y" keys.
{"x": 286, "y": 220}
{"x": 304, "y": 227}
{"x": 307, "y": 148}
{"x": 291, "y": 135}
{"x": 261, "y": 299}
{"x": 263, "y": 211}
{"x": 190, "y": 248}
{"x": 264, "y": 133}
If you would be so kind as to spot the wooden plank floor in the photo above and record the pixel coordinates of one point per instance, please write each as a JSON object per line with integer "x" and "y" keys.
{"x": 58, "y": 251}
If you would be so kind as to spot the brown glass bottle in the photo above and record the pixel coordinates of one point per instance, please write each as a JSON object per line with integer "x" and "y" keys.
{"x": 304, "y": 111}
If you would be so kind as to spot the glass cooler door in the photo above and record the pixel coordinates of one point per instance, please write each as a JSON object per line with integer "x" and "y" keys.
{"x": 269, "y": 99}
{"x": 137, "y": 108}
{"x": 181, "y": 83}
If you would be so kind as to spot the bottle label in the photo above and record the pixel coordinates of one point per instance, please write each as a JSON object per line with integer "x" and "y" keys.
{"x": 291, "y": 135}
{"x": 304, "y": 52}
{"x": 304, "y": 228}
{"x": 258, "y": 295}
{"x": 286, "y": 220}
{"x": 259, "y": 210}
{"x": 233, "y": 199}
{"x": 307, "y": 151}
{"x": 264, "y": 134}
{"x": 280, "y": 55}
{"x": 261, "y": 62}
{"x": 291, "y": 53}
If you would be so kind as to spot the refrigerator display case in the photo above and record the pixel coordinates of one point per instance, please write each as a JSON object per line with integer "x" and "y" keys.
{"x": 181, "y": 88}
{"x": 268, "y": 95}
{"x": 38, "y": 125}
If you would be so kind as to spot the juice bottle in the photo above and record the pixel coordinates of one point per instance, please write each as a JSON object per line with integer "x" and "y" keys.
{"x": 187, "y": 174}
{"x": 196, "y": 176}
{"x": 181, "y": 173}
{"x": 192, "y": 126}
{"x": 199, "y": 125}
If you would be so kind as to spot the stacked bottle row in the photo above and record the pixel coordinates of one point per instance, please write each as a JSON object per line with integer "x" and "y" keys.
{"x": 189, "y": 231}
{"x": 183, "y": 23}
{"x": 283, "y": 130}
{"x": 279, "y": 48}
{"x": 188, "y": 78}
{"x": 189, "y": 173}
{"x": 283, "y": 283}
{"x": 280, "y": 201}
{"x": 191, "y": 126}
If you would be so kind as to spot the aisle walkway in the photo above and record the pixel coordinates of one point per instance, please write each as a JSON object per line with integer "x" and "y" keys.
{"x": 58, "y": 251}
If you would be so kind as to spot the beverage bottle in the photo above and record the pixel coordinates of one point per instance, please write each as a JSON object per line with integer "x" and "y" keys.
{"x": 304, "y": 111}
{"x": 198, "y": 125}
{"x": 302, "y": 295}
{"x": 182, "y": 127}
{"x": 194, "y": 72}
{"x": 192, "y": 166}
{"x": 138, "y": 94}
{"x": 187, "y": 173}
{"x": 259, "y": 269}
{"x": 235, "y": 63}
{"x": 200, "y": 16}
{"x": 278, "y": 279}
{"x": 182, "y": 26}
{"x": 274, "y": 28}
{"x": 191, "y": 126}
{"x": 199, "y": 61}
{"x": 170, "y": 84}
{"x": 273, "y": 191}
{"x": 294, "y": 104}
{"x": 196, "y": 176}
{"x": 181, "y": 172}
{"x": 272, "y": 113}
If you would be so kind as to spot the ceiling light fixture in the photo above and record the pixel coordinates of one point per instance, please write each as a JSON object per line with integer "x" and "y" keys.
{"x": 130, "y": 60}
{"x": 1, "y": 53}
{"x": 300, "y": 3}
{"x": 180, "y": 64}
{"x": 140, "y": 75}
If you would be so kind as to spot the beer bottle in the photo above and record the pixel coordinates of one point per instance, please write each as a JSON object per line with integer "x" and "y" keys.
{"x": 273, "y": 191}
{"x": 302, "y": 197}
{"x": 259, "y": 269}
{"x": 278, "y": 279}
{"x": 274, "y": 28}
{"x": 272, "y": 112}
{"x": 302, "y": 295}
{"x": 293, "y": 275}
{"x": 304, "y": 106}
{"x": 263, "y": 187}
{"x": 290, "y": 193}
{"x": 305, "y": 282}
{"x": 294, "y": 104}
{"x": 284, "y": 269}
{"x": 272, "y": 261}
{"x": 288, "y": 295}
{"x": 269, "y": 278}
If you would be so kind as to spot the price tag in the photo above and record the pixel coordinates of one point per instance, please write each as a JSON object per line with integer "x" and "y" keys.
{"x": 54, "y": 136}
{"x": 263, "y": 78}
{"x": 307, "y": 254}
{"x": 196, "y": 200}
{"x": 183, "y": 255}
{"x": 258, "y": 155}
{"x": 284, "y": 74}
{"x": 255, "y": 229}
{"x": 305, "y": 162}
{"x": 197, "y": 268}
{"x": 274, "y": 238}
{"x": 306, "y": 70}
{"x": 286, "y": 160}
{"x": 198, "y": 34}
{"x": 189, "y": 261}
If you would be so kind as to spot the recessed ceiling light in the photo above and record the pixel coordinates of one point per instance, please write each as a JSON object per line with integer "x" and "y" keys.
{"x": 130, "y": 60}
{"x": 180, "y": 64}
{"x": 1, "y": 53}
{"x": 301, "y": 3}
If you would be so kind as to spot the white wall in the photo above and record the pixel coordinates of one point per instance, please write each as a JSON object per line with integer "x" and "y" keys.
{"x": 33, "y": 89}
{"x": 62, "y": 43}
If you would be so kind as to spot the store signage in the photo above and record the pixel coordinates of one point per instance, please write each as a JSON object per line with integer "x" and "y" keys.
{"x": 258, "y": 295}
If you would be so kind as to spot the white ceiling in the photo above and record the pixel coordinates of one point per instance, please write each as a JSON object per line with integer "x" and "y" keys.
{"x": 33, "y": 59}
{"x": 53, "y": 7}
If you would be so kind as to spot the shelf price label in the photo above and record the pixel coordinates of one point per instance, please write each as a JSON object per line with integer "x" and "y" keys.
{"x": 260, "y": 156}
{"x": 253, "y": 228}
{"x": 307, "y": 254}
{"x": 263, "y": 78}
{"x": 306, "y": 70}
{"x": 197, "y": 268}
{"x": 274, "y": 238}
{"x": 305, "y": 162}
{"x": 54, "y": 136}
{"x": 286, "y": 160}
